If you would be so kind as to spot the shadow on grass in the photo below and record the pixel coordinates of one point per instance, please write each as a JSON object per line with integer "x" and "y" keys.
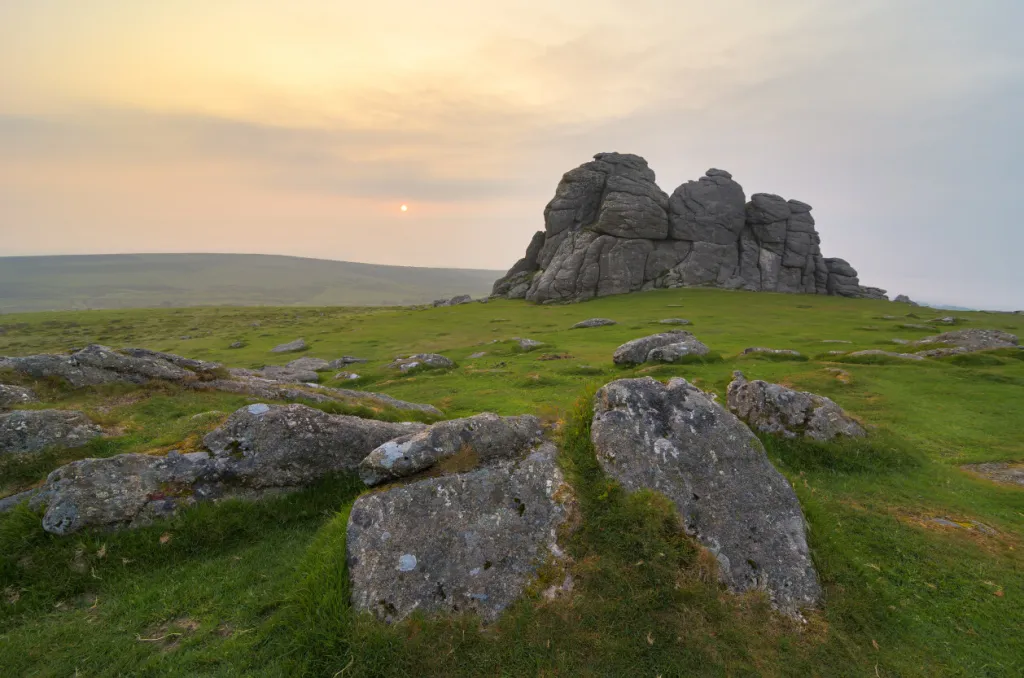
{"x": 878, "y": 453}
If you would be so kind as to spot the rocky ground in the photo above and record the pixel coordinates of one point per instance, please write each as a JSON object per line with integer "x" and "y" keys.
{"x": 780, "y": 488}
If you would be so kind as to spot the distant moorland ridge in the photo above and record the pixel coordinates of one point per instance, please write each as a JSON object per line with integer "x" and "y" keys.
{"x": 153, "y": 280}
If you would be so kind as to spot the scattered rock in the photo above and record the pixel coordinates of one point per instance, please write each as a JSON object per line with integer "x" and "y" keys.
{"x": 773, "y": 408}
{"x": 281, "y": 374}
{"x": 891, "y": 354}
{"x": 482, "y": 437}
{"x": 676, "y": 440}
{"x": 290, "y": 347}
{"x": 674, "y": 321}
{"x": 454, "y": 301}
{"x": 1000, "y": 472}
{"x": 554, "y": 356}
{"x": 772, "y": 351}
{"x": 974, "y": 339}
{"x": 25, "y": 431}
{"x": 237, "y": 344}
{"x": 902, "y": 342}
{"x": 946, "y": 320}
{"x": 610, "y": 230}
{"x": 837, "y": 352}
{"x": 261, "y": 449}
{"x": 96, "y": 364}
{"x": 469, "y": 542}
{"x": 345, "y": 361}
{"x": 593, "y": 322}
{"x": 10, "y": 396}
{"x": 916, "y": 326}
{"x": 969, "y": 525}
{"x": 840, "y": 375}
{"x": 477, "y": 355}
{"x": 346, "y": 376}
{"x": 643, "y": 350}
{"x": 424, "y": 360}
{"x": 309, "y": 364}
{"x": 904, "y": 299}
{"x": 835, "y": 341}
{"x": 527, "y": 344}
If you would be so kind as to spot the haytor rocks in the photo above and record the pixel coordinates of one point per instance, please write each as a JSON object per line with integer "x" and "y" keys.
{"x": 773, "y": 408}
{"x": 610, "y": 230}
{"x": 675, "y": 440}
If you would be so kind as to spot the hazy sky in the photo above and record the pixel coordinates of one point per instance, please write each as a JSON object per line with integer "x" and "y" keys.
{"x": 301, "y": 126}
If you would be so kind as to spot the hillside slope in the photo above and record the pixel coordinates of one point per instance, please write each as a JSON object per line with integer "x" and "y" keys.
{"x": 177, "y": 280}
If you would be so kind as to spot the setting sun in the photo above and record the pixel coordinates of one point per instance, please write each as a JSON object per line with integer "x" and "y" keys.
{"x": 405, "y": 208}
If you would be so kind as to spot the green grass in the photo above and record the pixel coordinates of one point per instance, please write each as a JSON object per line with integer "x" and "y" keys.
{"x": 261, "y": 589}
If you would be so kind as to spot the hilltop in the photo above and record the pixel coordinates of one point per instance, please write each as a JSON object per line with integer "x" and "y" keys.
{"x": 180, "y": 280}
{"x": 919, "y": 559}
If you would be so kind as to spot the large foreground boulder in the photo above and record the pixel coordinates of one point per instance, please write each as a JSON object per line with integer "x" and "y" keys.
{"x": 260, "y": 450}
{"x": 12, "y": 396}
{"x": 773, "y": 408}
{"x": 96, "y": 364}
{"x": 480, "y": 438}
{"x": 609, "y": 229}
{"x": 26, "y": 431}
{"x": 469, "y": 542}
{"x": 675, "y": 440}
{"x": 664, "y": 347}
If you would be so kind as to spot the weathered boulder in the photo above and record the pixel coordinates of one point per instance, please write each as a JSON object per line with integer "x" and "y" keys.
{"x": 345, "y": 361}
{"x": 974, "y": 339}
{"x": 610, "y": 230}
{"x": 643, "y": 349}
{"x": 24, "y": 431}
{"x": 96, "y": 364}
{"x": 260, "y": 450}
{"x": 904, "y": 299}
{"x": 593, "y": 322}
{"x": 346, "y": 376}
{"x": 674, "y": 321}
{"x": 675, "y": 440}
{"x": 527, "y": 344}
{"x": 422, "y": 360}
{"x": 481, "y": 438}
{"x": 754, "y": 350}
{"x": 773, "y": 408}
{"x": 282, "y": 374}
{"x": 454, "y": 301}
{"x": 292, "y": 445}
{"x": 309, "y": 364}
{"x": 469, "y": 542}
{"x": 11, "y": 396}
{"x": 291, "y": 346}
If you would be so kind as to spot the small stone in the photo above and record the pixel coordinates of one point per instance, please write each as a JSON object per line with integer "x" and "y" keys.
{"x": 674, "y": 321}
{"x": 291, "y": 346}
{"x": 237, "y": 344}
{"x": 346, "y": 376}
{"x": 527, "y": 344}
{"x": 425, "y": 360}
{"x": 593, "y": 322}
{"x": 345, "y": 361}
{"x": 309, "y": 364}
{"x": 477, "y": 355}
{"x": 890, "y": 354}
{"x": 772, "y": 351}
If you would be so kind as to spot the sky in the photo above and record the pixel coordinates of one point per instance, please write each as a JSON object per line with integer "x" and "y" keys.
{"x": 301, "y": 126}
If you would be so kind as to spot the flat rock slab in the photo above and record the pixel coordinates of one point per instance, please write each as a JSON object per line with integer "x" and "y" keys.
{"x": 481, "y": 438}
{"x": 889, "y": 354}
{"x": 309, "y": 364}
{"x": 1000, "y": 472}
{"x": 974, "y": 340}
{"x": 642, "y": 350}
{"x": 96, "y": 364}
{"x": 527, "y": 344}
{"x": 12, "y": 396}
{"x": 593, "y": 322}
{"x": 297, "y": 345}
{"x": 422, "y": 360}
{"x": 283, "y": 374}
{"x": 470, "y": 542}
{"x": 674, "y": 321}
{"x": 771, "y": 351}
{"x": 675, "y": 440}
{"x": 344, "y": 361}
{"x": 773, "y": 408}
{"x": 26, "y": 431}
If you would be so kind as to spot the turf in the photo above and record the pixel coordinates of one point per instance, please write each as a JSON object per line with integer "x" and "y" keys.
{"x": 261, "y": 589}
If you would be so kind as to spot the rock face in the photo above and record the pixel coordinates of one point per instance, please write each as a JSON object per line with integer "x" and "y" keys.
{"x": 26, "y": 431}
{"x": 664, "y": 347}
{"x": 611, "y": 230}
{"x": 773, "y": 408}
{"x": 481, "y": 438}
{"x": 677, "y": 441}
{"x": 260, "y": 449}
{"x": 424, "y": 360}
{"x": 469, "y": 542}
{"x": 96, "y": 364}
{"x": 593, "y": 322}
{"x": 10, "y": 396}
{"x": 297, "y": 345}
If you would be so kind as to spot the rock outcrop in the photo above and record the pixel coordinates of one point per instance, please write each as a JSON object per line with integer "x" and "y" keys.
{"x": 676, "y": 440}
{"x": 11, "y": 396}
{"x": 665, "y": 347}
{"x": 968, "y": 341}
{"x": 479, "y": 438}
{"x": 429, "y": 361}
{"x": 773, "y": 408}
{"x": 260, "y": 450}
{"x": 468, "y": 542}
{"x": 25, "y": 431}
{"x": 611, "y": 230}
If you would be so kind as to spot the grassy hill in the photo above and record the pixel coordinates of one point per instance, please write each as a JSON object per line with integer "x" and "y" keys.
{"x": 261, "y": 589}
{"x": 180, "y": 280}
